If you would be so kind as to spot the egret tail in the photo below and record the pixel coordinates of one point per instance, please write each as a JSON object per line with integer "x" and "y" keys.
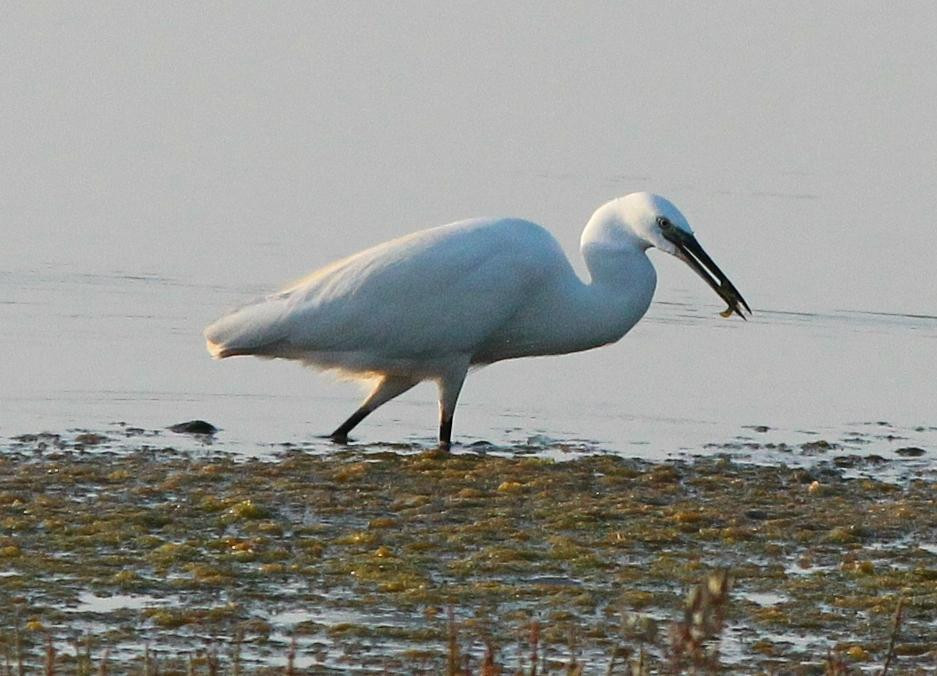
{"x": 251, "y": 330}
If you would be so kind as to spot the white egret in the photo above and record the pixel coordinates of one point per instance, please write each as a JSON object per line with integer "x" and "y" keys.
{"x": 433, "y": 304}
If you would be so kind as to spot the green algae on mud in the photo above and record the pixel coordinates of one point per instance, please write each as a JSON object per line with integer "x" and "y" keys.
{"x": 356, "y": 556}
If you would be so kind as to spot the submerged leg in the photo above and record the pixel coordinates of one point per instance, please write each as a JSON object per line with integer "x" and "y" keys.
{"x": 449, "y": 388}
{"x": 385, "y": 390}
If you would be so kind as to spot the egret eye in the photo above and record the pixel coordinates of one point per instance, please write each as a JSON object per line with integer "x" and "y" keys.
{"x": 663, "y": 222}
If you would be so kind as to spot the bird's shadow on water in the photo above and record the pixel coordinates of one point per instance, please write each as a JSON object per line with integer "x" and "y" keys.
{"x": 352, "y": 444}
{"x": 537, "y": 445}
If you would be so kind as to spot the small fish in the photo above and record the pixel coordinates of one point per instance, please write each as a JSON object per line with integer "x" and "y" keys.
{"x": 728, "y": 311}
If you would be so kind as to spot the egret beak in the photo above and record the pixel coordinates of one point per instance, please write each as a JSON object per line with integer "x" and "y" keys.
{"x": 691, "y": 253}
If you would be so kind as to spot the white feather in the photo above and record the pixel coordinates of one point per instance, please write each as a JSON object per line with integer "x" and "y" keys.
{"x": 434, "y": 303}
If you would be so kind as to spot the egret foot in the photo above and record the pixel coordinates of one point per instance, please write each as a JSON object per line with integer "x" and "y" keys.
{"x": 340, "y": 435}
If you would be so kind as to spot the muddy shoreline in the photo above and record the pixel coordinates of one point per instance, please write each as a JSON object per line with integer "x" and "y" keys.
{"x": 352, "y": 560}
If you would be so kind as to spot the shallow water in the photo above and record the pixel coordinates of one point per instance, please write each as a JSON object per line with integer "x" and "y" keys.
{"x": 96, "y": 349}
{"x": 158, "y": 177}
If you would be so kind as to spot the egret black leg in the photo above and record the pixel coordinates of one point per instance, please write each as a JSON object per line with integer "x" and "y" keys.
{"x": 341, "y": 433}
{"x": 386, "y": 389}
{"x": 445, "y": 433}
{"x": 449, "y": 387}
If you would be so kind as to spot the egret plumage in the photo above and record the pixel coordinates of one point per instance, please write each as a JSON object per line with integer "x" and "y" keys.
{"x": 433, "y": 304}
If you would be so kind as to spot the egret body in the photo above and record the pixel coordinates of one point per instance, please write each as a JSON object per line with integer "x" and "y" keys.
{"x": 430, "y": 305}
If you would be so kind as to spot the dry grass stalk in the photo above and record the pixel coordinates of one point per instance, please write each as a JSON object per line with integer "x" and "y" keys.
{"x": 693, "y": 641}
{"x": 50, "y": 656}
{"x": 236, "y": 657}
{"x": 453, "y": 658}
{"x": 18, "y": 643}
{"x": 291, "y": 658}
{"x": 534, "y": 646}
{"x": 835, "y": 666}
{"x": 895, "y": 627}
{"x": 489, "y": 667}
{"x": 102, "y": 668}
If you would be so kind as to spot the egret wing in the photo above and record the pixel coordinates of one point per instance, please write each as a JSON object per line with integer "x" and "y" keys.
{"x": 438, "y": 292}
{"x": 434, "y": 293}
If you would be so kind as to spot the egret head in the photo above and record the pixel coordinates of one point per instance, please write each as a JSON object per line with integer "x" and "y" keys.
{"x": 650, "y": 218}
{"x": 643, "y": 219}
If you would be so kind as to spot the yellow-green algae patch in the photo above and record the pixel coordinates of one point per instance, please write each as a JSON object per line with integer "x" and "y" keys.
{"x": 358, "y": 555}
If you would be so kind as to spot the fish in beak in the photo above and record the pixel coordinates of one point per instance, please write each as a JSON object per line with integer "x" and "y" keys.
{"x": 691, "y": 253}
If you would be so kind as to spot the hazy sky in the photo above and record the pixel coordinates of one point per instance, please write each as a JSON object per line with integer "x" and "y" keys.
{"x": 254, "y": 141}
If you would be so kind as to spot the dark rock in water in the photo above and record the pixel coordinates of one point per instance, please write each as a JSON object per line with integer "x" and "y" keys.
{"x": 847, "y": 460}
{"x": 194, "y": 427}
{"x": 817, "y": 447}
{"x": 90, "y": 439}
{"x": 911, "y": 452}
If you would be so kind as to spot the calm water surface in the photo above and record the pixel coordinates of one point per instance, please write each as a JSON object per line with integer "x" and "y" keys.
{"x": 99, "y": 349}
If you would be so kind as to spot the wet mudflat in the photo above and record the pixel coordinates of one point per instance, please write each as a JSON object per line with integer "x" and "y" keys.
{"x": 354, "y": 560}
